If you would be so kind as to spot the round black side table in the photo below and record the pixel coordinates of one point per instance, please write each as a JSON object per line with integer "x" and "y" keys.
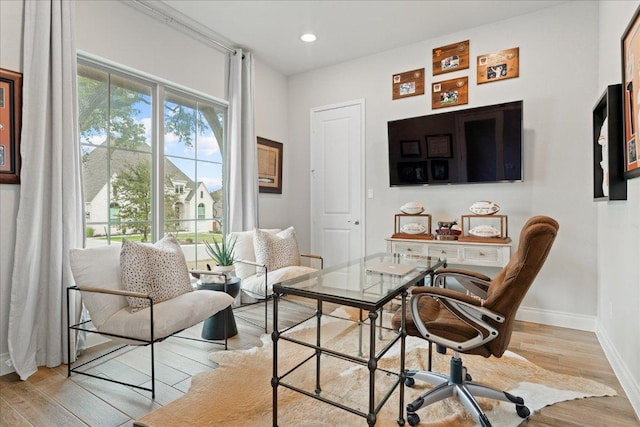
{"x": 213, "y": 328}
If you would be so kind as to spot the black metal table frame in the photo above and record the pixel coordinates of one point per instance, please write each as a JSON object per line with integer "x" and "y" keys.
{"x": 371, "y": 363}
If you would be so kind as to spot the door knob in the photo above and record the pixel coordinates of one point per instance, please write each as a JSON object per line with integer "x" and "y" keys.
{"x": 357, "y": 222}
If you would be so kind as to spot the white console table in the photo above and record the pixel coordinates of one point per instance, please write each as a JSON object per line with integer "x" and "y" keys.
{"x": 464, "y": 253}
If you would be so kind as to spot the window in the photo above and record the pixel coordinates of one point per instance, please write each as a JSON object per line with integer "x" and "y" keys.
{"x": 114, "y": 213}
{"x": 140, "y": 183}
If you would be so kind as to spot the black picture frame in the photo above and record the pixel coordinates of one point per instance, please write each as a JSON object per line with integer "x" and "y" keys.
{"x": 440, "y": 170}
{"x": 609, "y": 182}
{"x": 269, "y": 166}
{"x": 410, "y": 148}
{"x": 439, "y": 146}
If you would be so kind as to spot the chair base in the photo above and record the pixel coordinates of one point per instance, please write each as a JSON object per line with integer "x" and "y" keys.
{"x": 458, "y": 384}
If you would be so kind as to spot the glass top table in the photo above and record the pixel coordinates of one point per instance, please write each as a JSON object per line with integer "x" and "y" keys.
{"x": 353, "y": 284}
{"x": 360, "y": 284}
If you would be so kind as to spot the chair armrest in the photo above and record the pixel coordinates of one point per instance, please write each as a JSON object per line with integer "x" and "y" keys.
{"x": 244, "y": 261}
{"x": 315, "y": 257}
{"x": 467, "y": 308}
{"x": 474, "y": 282}
{"x": 112, "y": 292}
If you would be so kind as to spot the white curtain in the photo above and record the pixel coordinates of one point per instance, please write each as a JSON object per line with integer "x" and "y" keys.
{"x": 50, "y": 213}
{"x": 241, "y": 153}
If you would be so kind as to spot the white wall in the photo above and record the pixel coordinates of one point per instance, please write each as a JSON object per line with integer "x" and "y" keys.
{"x": 558, "y": 83}
{"x": 271, "y": 123}
{"x": 121, "y": 34}
{"x": 618, "y": 231}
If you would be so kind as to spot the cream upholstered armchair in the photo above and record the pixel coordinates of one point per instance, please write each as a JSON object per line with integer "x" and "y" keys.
{"x": 266, "y": 257}
{"x": 137, "y": 294}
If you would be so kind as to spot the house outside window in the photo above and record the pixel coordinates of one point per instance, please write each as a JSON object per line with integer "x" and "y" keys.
{"x": 140, "y": 183}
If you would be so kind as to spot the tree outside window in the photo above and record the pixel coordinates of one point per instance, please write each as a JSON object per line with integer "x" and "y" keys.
{"x": 119, "y": 148}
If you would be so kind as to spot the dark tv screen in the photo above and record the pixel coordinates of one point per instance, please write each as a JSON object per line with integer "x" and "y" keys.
{"x": 475, "y": 145}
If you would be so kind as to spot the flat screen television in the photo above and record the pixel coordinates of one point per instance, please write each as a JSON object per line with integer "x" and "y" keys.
{"x": 475, "y": 145}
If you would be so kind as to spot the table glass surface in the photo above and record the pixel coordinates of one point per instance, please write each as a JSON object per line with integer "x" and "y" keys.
{"x": 351, "y": 282}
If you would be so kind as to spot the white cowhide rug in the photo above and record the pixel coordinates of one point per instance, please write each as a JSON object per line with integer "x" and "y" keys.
{"x": 239, "y": 392}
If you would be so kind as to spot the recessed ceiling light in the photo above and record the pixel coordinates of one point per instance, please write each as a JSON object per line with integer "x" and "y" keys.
{"x": 308, "y": 37}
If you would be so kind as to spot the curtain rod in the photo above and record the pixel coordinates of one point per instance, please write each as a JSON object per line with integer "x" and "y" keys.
{"x": 184, "y": 26}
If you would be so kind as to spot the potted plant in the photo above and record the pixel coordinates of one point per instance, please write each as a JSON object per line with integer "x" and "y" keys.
{"x": 223, "y": 255}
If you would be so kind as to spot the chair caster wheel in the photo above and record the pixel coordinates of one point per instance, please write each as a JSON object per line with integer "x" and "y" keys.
{"x": 523, "y": 411}
{"x": 409, "y": 382}
{"x": 413, "y": 419}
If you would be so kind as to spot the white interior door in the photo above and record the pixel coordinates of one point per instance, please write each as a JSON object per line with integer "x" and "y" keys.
{"x": 337, "y": 183}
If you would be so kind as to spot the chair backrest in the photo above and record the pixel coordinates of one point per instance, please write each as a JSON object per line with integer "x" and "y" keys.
{"x": 508, "y": 288}
{"x": 100, "y": 268}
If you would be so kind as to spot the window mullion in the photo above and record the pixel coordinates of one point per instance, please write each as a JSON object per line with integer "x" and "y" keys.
{"x": 157, "y": 138}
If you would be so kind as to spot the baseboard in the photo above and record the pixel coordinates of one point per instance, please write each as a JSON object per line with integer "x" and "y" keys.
{"x": 628, "y": 382}
{"x": 557, "y": 318}
{"x": 6, "y": 367}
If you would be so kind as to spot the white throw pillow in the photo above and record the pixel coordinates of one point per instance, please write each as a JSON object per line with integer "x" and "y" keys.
{"x": 159, "y": 270}
{"x": 276, "y": 251}
{"x": 244, "y": 250}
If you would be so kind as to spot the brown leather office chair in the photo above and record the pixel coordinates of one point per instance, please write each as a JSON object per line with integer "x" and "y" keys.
{"x": 477, "y": 322}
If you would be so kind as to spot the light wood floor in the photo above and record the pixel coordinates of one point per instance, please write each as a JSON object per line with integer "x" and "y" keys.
{"x": 49, "y": 398}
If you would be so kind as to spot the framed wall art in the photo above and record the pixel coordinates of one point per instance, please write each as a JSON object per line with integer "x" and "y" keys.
{"x": 10, "y": 125}
{"x": 410, "y": 148}
{"x": 493, "y": 67}
{"x": 450, "y": 92}
{"x": 440, "y": 170}
{"x": 630, "y": 86}
{"x": 269, "y": 166}
{"x": 409, "y": 83}
{"x": 439, "y": 146}
{"x": 608, "y": 176}
{"x": 452, "y": 57}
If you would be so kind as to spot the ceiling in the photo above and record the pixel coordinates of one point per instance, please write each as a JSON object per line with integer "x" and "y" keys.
{"x": 345, "y": 29}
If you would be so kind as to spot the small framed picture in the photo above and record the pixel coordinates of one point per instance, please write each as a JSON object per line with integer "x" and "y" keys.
{"x": 440, "y": 170}
{"x": 410, "y": 148}
{"x": 10, "y": 125}
{"x": 439, "y": 146}
{"x": 409, "y": 83}
{"x": 452, "y": 57}
{"x": 502, "y": 65}
{"x": 450, "y": 92}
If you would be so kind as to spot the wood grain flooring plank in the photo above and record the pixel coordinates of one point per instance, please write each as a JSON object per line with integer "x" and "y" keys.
{"x": 128, "y": 401}
{"x": 84, "y": 404}
{"x": 191, "y": 349}
{"x": 182, "y": 363}
{"x": 37, "y": 407}
{"x": 140, "y": 359}
{"x": 119, "y": 370}
{"x": 9, "y": 417}
{"x": 165, "y": 393}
